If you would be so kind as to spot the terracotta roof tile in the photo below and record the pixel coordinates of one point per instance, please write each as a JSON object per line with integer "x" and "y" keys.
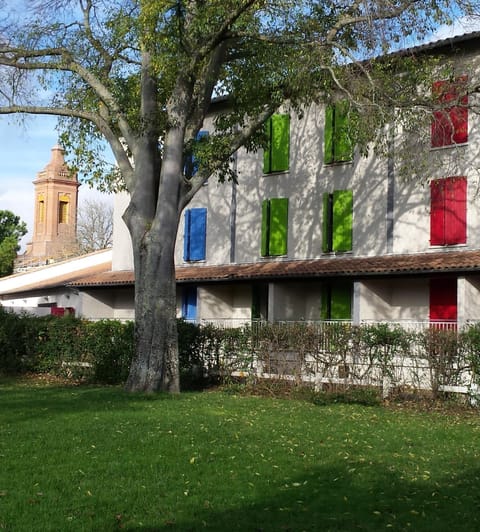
{"x": 335, "y": 266}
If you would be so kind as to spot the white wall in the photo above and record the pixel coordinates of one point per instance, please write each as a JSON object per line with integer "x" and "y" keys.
{"x": 224, "y": 302}
{"x": 122, "y": 258}
{"x": 394, "y": 299}
{"x": 296, "y": 301}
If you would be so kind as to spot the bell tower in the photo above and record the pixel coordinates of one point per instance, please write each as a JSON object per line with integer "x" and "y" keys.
{"x": 55, "y": 213}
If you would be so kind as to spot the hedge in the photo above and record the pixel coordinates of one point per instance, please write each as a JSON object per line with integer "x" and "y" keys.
{"x": 376, "y": 354}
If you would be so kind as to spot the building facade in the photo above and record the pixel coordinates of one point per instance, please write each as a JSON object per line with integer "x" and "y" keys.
{"x": 314, "y": 230}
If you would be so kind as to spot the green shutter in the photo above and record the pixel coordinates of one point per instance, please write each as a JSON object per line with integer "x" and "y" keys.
{"x": 264, "y": 251}
{"x": 280, "y": 143}
{"x": 343, "y": 146}
{"x": 341, "y": 303}
{"x": 328, "y": 135}
{"x": 326, "y": 229}
{"x": 267, "y": 152}
{"x": 278, "y": 226}
{"x": 342, "y": 220}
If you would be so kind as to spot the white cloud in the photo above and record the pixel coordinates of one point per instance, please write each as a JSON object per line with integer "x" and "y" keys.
{"x": 461, "y": 26}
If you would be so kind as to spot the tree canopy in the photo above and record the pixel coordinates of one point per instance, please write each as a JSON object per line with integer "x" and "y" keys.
{"x": 11, "y": 231}
{"x": 142, "y": 74}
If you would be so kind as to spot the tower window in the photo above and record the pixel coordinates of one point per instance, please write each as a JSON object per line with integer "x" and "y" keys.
{"x": 63, "y": 211}
{"x": 41, "y": 208}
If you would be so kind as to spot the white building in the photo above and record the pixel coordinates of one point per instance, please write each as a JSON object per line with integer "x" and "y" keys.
{"x": 314, "y": 230}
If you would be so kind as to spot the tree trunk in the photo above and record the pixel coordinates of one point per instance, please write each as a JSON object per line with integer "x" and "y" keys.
{"x": 152, "y": 220}
{"x": 155, "y": 365}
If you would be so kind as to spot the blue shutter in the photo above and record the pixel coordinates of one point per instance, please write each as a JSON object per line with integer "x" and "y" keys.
{"x": 198, "y": 234}
{"x": 189, "y": 303}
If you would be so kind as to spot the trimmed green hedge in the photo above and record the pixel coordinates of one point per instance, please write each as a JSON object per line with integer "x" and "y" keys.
{"x": 101, "y": 351}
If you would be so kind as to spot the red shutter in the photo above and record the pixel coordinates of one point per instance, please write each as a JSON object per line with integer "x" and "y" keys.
{"x": 437, "y": 212}
{"x": 455, "y": 225}
{"x": 443, "y": 299}
{"x": 450, "y": 124}
{"x": 459, "y": 113}
{"x": 442, "y": 131}
{"x": 459, "y": 118}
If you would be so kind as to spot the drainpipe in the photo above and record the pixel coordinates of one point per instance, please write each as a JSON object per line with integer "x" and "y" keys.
{"x": 233, "y": 212}
{"x": 390, "y": 188}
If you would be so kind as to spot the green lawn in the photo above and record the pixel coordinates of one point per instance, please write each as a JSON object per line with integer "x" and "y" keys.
{"x": 98, "y": 459}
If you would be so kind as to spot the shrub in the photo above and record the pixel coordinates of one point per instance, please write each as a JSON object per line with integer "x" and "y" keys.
{"x": 444, "y": 355}
{"x": 361, "y": 396}
{"x": 11, "y": 349}
{"x": 110, "y": 346}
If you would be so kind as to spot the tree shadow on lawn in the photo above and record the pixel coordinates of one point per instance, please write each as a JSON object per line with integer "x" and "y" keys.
{"x": 368, "y": 498}
{"x": 19, "y": 403}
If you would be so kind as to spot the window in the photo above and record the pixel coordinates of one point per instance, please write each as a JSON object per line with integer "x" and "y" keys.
{"x": 276, "y": 157}
{"x": 337, "y": 221}
{"x": 338, "y": 144}
{"x": 443, "y": 299}
{"x": 274, "y": 227}
{"x": 189, "y": 303}
{"x": 63, "y": 209}
{"x": 450, "y": 123}
{"x": 448, "y": 211}
{"x": 260, "y": 302}
{"x": 336, "y": 301}
{"x": 192, "y": 162}
{"x": 195, "y": 234}
{"x": 41, "y": 208}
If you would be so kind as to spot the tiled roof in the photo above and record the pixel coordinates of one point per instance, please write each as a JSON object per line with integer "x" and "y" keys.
{"x": 63, "y": 279}
{"x": 335, "y": 266}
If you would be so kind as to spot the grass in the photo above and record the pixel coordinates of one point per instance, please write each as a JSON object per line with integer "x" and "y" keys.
{"x": 97, "y": 459}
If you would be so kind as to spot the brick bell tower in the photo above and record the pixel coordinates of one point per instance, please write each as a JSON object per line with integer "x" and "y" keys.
{"x": 55, "y": 215}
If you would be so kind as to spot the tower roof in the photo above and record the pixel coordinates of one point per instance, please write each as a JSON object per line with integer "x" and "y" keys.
{"x": 57, "y": 167}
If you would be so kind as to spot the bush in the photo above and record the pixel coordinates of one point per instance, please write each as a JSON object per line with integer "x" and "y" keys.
{"x": 333, "y": 353}
{"x": 471, "y": 342}
{"x": 66, "y": 346}
{"x": 11, "y": 349}
{"x": 443, "y": 352}
{"x": 20, "y": 335}
{"x": 360, "y": 396}
{"x": 110, "y": 345}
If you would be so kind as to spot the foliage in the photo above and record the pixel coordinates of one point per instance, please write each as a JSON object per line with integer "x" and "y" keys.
{"x": 442, "y": 349}
{"x": 110, "y": 343}
{"x": 67, "y": 346}
{"x": 360, "y": 396}
{"x": 142, "y": 76}
{"x": 208, "y": 352}
{"x": 273, "y": 358}
{"x": 87, "y": 458}
{"x": 470, "y": 342}
{"x": 11, "y": 231}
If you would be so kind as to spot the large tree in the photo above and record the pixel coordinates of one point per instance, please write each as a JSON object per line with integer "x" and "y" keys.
{"x": 11, "y": 231}
{"x": 142, "y": 75}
